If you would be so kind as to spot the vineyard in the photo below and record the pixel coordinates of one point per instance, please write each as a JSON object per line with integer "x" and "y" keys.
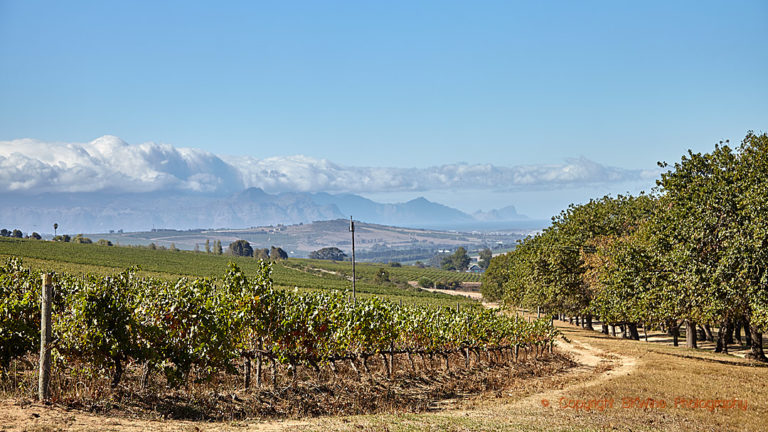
{"x": 306, "y": 275}
{"x": 154, "y": 332}
{"x": 368, "y": 271}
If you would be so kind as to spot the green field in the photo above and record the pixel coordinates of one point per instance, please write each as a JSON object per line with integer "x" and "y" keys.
{"x": 368, "y": 271}
{"x": 293, "y": 273}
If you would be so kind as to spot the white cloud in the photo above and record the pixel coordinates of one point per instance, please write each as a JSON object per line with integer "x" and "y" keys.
{"x": 110, "y": 164}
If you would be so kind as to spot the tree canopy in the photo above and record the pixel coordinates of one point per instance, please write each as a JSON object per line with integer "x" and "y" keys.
{"x": 695, "y": 251}
{"x": 241, "y": 248}
{"x": 328, "y": 253}
{"x": 277, "y": 253}
{"x": 458, "y": 261}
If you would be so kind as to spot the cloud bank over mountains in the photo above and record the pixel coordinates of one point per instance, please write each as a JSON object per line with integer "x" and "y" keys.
{"x": 109, "y": 164}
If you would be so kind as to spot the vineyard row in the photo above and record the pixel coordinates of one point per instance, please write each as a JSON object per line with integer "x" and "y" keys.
{"x": 206, "y": 326}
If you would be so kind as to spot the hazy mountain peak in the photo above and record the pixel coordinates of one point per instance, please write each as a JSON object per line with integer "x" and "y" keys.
{"x": 253, "y": 194}
{"x": 508, "y": 213}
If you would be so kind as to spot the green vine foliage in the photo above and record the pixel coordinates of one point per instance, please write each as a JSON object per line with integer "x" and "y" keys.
{"x": 205, "y": 326}
{"x": 19, "y": 311}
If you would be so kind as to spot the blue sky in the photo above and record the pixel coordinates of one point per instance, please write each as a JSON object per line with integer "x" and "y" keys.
{"x": 411, "y": 84}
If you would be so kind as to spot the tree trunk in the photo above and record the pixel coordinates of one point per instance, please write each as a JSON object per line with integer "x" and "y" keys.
{"x": 747, "y": 335}
{"x": 729, "y": 334}
{"x": 701, "y": 335}
{"x": 737, "y": 324}
{"x": 708, "y": 332}
{"x": 756, "y": 353}
{"x": 720, "y": 338}
{"x": 613, "y": 330}
{"x": 633, "y": 334}
{"x": 589, "y": 322}
{"x": 674, "y": 330}
{"x": 690, "y": 334}
{"x": 605, "y": 328}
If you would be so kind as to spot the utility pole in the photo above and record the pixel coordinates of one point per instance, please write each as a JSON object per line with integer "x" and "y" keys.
{"x": 352, "y": 230}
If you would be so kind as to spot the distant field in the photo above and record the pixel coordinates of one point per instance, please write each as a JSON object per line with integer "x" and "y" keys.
{"x": 294, "y": 273}
{"x": 399, "y": 274}
{"x": 399, "y": 244}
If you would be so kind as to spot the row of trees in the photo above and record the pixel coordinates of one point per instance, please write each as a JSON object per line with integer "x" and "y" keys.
{"x": 79, "y": 238}
{"x": 17, "y": 233}
{"x": 695, "y": 253}
{"x": 243, "y": 248}
{"x": 14, "y": 233}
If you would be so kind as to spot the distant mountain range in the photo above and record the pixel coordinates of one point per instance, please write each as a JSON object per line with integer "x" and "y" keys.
{"x": 101, "y": 212}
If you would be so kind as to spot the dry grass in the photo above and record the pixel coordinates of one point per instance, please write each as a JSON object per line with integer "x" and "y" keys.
{"x": 660, "y": 373}
{"x": 428, "y": 388}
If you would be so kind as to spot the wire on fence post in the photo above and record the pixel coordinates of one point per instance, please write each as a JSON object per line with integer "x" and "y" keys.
{"x": 45, "y": 338}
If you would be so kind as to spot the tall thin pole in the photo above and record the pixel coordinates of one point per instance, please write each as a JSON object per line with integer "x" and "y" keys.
{"x": 352, "y": 229}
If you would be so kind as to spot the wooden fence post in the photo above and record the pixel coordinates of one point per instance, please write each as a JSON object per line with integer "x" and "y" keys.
{"x": 45, "y": 338}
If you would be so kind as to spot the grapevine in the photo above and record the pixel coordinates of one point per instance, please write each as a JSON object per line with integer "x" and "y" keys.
{"x": 209, "y": 325}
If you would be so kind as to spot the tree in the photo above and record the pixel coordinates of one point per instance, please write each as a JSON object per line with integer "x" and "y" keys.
{"x": 241, "y": 248}
{"x": 261, "y": 254}
{"x": 426, "y": 282}
{"x": 700, "y": 198}
{"x": 485, "y": 258}
{"x": 207, "y": 246}
{"x": 172, "y": 248}
{"x": 328, "y": 253}
{"x": 17, "y": 233}
{"x": 217, "y": 247}
{"x": 382, "y": 276}
{"x": 5, "y": 233}
{"x": 452, "y": 284}
{"x": 197, "y": 247}
{"x": 81, "y": 239}
{"x": 458, "y": 261}
{"x": 62, "y": 238}
{"x": 104, "y": 242}
{"x": 495, "y": 277}
{"x": 35, "y": 236}
{"x": 277, "y": 253}
{"x": 55, "y": 227}
{"x": 749, "y": 253}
